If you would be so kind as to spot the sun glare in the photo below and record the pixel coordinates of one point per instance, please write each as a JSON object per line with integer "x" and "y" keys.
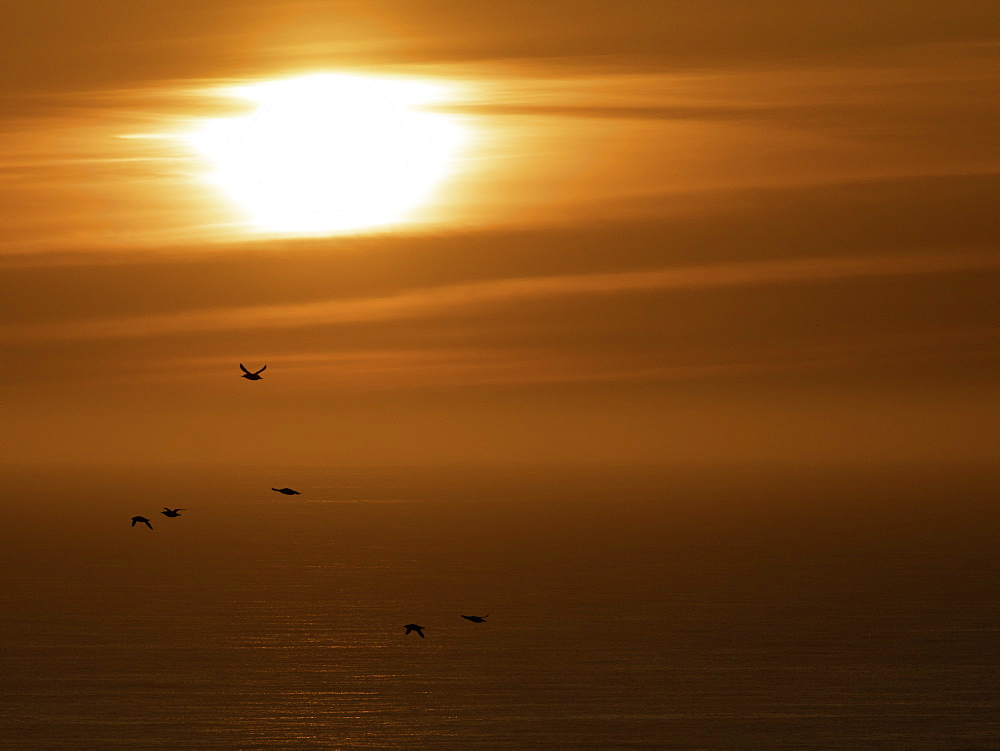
{"x": 326, "y": 153}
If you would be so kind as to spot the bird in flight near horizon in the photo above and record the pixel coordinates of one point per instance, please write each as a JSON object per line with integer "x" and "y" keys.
{"x": 476, "y": 618}
{"x": 286, "y": 491}
{"x": 141, "y": 520}
{"x": 171, "y": 512}
{"x": 414, "y": 627}
{"x": 252, "y": 376}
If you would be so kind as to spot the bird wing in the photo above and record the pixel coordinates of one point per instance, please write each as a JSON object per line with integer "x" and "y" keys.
{"x": 243, "y": 368}
{"x": 133, "y": 522}
{"x": 261, "y": 370}
{"x": 148, "y": 524}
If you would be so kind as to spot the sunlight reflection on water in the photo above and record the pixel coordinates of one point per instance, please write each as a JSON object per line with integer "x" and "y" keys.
{"x": 617, "y": 623}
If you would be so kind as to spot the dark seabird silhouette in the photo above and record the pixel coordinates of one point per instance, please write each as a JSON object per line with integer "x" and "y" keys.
{"x": 172, "y": 512}
{"x": 414, "y": 627}
{"x": 476, "y": 618}
{"x": 252, "y": 376}
{"x": 286, "y": 491}
{"x": 141, "y": 520}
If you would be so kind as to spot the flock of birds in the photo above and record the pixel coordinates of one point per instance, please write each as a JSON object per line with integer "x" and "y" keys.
{"x": 173, "y": 513}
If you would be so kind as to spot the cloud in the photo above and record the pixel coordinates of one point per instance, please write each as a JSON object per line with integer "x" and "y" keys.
{"x": 443, "y": 300}
{"x": 55, "y": 45}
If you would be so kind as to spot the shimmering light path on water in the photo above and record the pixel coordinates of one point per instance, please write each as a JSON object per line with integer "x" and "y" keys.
{"x": 626, "y": 611}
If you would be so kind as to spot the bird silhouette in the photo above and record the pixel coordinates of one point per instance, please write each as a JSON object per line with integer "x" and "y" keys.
{"x": 252, "y": 376}
{"x": 286, "y": 491}
{"x": 476, "y": 618}
{"x": 141, "y": 520}
{"x": 172, "y": 512}
{"x": 414, "y": 627}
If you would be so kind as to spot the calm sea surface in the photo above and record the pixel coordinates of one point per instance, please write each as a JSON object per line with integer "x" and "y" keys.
{"x": 712, "y": 609}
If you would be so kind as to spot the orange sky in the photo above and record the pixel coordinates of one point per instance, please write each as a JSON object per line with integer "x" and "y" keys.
{"x": 678, "y": 232}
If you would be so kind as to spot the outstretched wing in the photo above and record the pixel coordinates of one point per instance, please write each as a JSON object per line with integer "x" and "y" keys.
{"x": 243, "y": 368}
{"x": 133, "y": 522}
{"x": 148, "y": 524}
{"x": 261, "y": 370}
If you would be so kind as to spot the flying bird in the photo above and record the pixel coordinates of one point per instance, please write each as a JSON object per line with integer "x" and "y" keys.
{"x": 172, "y": 512}
{"x": 414, "y": 627}
{"x": 252, "y": 376}
{"x": 476, "y": 618}
{"x": 141, "y": 520}
{"x": 286, "y": 491}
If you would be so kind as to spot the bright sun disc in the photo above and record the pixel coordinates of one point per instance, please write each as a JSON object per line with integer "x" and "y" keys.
{"x": 324, "y": 153}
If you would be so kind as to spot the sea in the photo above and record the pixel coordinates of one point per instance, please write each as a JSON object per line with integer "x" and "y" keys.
{"x": 712, "y": 607}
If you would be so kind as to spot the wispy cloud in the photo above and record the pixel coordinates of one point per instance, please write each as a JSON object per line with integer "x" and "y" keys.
{"x": 443, "y": 300}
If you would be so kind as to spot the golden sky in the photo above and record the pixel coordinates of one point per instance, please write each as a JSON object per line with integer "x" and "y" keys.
{"x": 666, "y": 231}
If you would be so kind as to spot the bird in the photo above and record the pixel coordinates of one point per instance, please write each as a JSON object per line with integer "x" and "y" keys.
{"x": 141, "y": 520}
{"x": 414, "y": 627}
{"x": 476, "y": 618}
{"x": 252, "y": 376}
{"x": 171, "y": 512}
{"x": 286, "y": 491}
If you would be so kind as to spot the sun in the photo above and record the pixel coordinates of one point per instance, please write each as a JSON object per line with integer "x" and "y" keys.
{"x": 325, "y": 153}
